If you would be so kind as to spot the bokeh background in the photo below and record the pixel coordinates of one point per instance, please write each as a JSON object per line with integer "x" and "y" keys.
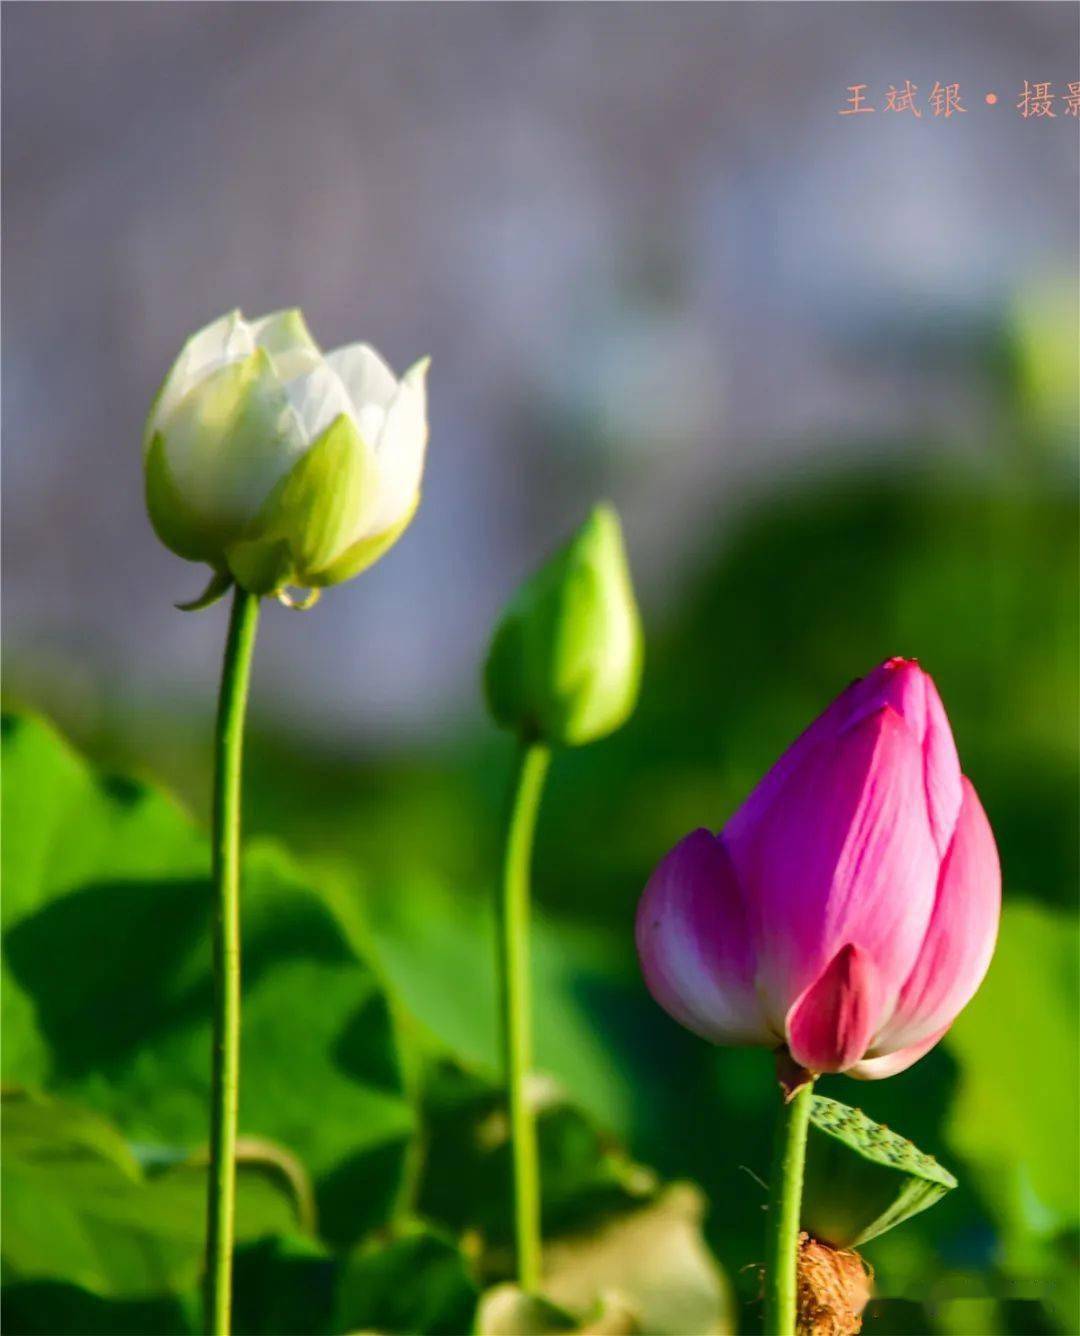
{"x": 825, "y": 366}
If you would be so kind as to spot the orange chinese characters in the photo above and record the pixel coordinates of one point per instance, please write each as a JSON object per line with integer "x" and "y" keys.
{"x": 1072, "y": 100}
{"x": 897, "y": 99}
{"x": 856, "y": 102}
{"x": 1036, "y": 100}
{"x": 945, "y": 101}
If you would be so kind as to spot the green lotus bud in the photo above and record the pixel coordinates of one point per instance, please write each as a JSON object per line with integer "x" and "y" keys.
{"x": 861, "y": 1178}
{"x": 278, "y": 465}
{"x": 565, "y": 661}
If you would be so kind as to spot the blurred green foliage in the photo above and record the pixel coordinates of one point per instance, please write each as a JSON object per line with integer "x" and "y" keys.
{"x": 107, "y": 985}
{"x": 369, "y": 1046}
{"x": 73, "y": 1190}
{"x": 373, "y": 1161}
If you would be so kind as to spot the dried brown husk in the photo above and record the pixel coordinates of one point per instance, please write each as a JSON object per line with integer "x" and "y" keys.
{"x": 834, "y": 1288}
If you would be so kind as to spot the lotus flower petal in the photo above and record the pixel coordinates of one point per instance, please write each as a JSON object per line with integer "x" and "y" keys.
{"x": 694, "y": 945}
{"x": 843, "y": 853}
{"x": 830, "y": 1026}
{"x": 888, "y": 1064}
{"x": 960, "y": 938}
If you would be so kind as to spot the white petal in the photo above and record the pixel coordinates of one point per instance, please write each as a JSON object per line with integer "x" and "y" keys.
{"x": 230, "y": 441}
{"x": 365, "y": 375}
{"x": 399, "y": 451}
{"x": 371, "y": 419}
{"x": 227, "y": 339}
{"x": 317, "y": 399}
{"x": 285, "y": 336}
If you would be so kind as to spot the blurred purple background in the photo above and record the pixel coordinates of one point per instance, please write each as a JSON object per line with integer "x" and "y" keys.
{"x": 648, "y": 258}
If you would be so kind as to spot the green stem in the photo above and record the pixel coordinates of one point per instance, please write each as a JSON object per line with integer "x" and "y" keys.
{"x": 516, "y": 1029}
{"x": 225, "y": 1077}
{"x": 785, "y": 1201}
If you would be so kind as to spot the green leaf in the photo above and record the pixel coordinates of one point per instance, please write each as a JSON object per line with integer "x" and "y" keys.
{"x": 44, "y": 1308}
{"x": 468, "y": 1172}
{"x": 283, "y": 1284}
{"x": 620, "y": 1253}
{"x": 861, "y": 1178}
{"x": 78, "y": 1208}
{"x": 418, "y": 1281}
{"x": 107, "y": 984}
{"x": 438, "y": 949}
{"x": 1014, "y": 1116}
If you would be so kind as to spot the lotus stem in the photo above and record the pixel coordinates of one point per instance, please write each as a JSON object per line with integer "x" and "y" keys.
{"x": 225, "y": 1073}
{"x": 785, "y": 1202}
{"x": 515, "y": 1010}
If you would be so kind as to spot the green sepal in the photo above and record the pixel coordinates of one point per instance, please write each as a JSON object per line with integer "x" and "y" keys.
{"x": 862, "y": 1178}
{"x": 262, "y": 566}
{"x": 306, "y": 521}
{"x": 565, "y": 660}
{"x": 174, "y": 523}
{"x": 220, "y": 584}
{"x": 364, "y": 553}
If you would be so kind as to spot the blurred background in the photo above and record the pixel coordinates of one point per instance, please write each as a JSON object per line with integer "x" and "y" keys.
{"x": 825, "y": 366}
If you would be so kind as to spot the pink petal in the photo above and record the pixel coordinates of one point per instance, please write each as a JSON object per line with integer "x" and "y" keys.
{"x": 694, "y": 946}
{"x": 830, "y": 1026}
{"x": 874, "y": 1069}
{"x": 944, "y": 791}
{"x": 960, "y": 938}
{"x": 843, "y": 854}
{"x": 902, "y": 685}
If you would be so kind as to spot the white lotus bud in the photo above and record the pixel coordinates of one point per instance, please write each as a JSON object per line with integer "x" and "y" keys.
{"x": 279, "y": 465}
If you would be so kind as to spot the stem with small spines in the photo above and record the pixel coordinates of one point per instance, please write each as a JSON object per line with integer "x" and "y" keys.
{"x": 785, "y": 1203}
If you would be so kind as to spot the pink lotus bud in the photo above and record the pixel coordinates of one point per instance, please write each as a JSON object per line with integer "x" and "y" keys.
{"x": 849, "y": 908}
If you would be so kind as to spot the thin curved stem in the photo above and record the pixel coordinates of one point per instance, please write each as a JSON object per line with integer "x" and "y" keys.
{"x": 785, "y": 1201}
{"x": 515, "y": 1009}
{"x": 225, "y": 1075}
